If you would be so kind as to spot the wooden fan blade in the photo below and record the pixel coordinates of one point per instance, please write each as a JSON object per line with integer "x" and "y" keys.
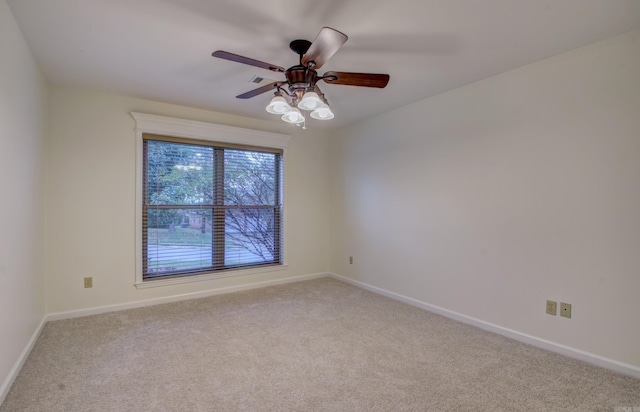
{"x": 357, "y": 79}
{"x": 259, "y": 90}
{"x": 245, "y": 60}
{"x": 326, "y": 43}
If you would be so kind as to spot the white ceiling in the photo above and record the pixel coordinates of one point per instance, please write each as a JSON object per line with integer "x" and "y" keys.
{"x": 161, "y": 49}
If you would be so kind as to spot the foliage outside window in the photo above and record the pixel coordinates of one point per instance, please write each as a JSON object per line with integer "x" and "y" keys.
{"x": 209, "y": 207}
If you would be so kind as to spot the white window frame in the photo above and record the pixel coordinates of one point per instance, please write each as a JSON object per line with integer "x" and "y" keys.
{"x": 191, "y": 129}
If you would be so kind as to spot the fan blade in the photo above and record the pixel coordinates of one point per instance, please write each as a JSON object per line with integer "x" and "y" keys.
{"x": 326, "y": 43}
{"x": 259, "y": 90}
{"x": 357, "y": 79}
{"x": 245, "y": 60}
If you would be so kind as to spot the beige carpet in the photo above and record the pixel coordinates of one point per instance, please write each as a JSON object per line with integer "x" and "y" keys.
{"x": 320, "y": 345}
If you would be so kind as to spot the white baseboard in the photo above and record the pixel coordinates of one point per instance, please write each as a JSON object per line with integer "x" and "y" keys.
{"x": 611, "y": 364}
{"x": 175, "y": 298}
{"x": 13, "y": 374}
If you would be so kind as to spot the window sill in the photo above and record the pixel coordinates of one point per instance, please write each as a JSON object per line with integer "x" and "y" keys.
{"x": 209, "y": 276}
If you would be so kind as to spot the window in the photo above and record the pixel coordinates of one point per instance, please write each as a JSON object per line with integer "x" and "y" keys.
{"x": 208, "y": 207}
{"x": 210, "y": 201}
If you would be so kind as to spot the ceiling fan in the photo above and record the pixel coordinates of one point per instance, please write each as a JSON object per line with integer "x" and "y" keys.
{"x": 301, "y": 86}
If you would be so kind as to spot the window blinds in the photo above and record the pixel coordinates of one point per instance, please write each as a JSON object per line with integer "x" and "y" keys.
{"x": 209, "y": 207}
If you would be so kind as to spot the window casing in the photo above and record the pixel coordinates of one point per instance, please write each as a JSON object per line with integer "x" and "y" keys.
{"x": 209, "y": 201}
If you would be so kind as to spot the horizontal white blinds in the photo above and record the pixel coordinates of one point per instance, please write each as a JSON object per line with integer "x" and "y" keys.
{"x": 209, "y": 207}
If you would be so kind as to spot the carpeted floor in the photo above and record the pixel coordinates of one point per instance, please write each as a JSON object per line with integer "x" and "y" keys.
{"x": 319, "y": 345}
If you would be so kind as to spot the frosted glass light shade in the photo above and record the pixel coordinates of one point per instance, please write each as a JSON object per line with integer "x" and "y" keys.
{"x": 293, "y": 116}
{"x": 310, "y": 101}
{"x": 322, "y": 113}
{"x": 278, "y": 105}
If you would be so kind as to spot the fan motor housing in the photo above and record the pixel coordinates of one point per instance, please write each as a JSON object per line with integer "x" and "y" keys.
{"x": 301, "y": 78}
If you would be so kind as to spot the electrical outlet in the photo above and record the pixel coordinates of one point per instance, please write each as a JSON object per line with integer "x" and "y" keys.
{"x": 552, "y": 307}
{"x": 565, "y": 310}
{"x": 351, "y": 260}
{"x": 88, "y": 282}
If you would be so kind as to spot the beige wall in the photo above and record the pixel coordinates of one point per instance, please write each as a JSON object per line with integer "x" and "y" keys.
{"x": 91, "y": 200}
{"x": 490, "y": 199}
{"x": 23, "y": 119}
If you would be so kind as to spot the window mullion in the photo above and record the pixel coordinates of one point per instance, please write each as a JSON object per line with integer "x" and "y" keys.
{"x": 277, "y": 210}
{"x": 218, "y": 226}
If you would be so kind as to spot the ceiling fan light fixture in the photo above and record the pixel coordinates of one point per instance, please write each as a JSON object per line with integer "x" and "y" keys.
{"x": 300, "y": 90}
{"x": 293, "y": 116}
{"x": 310, "y": 101}
{"x": 322, "y": 113}
{"x": 278, "y": 105}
